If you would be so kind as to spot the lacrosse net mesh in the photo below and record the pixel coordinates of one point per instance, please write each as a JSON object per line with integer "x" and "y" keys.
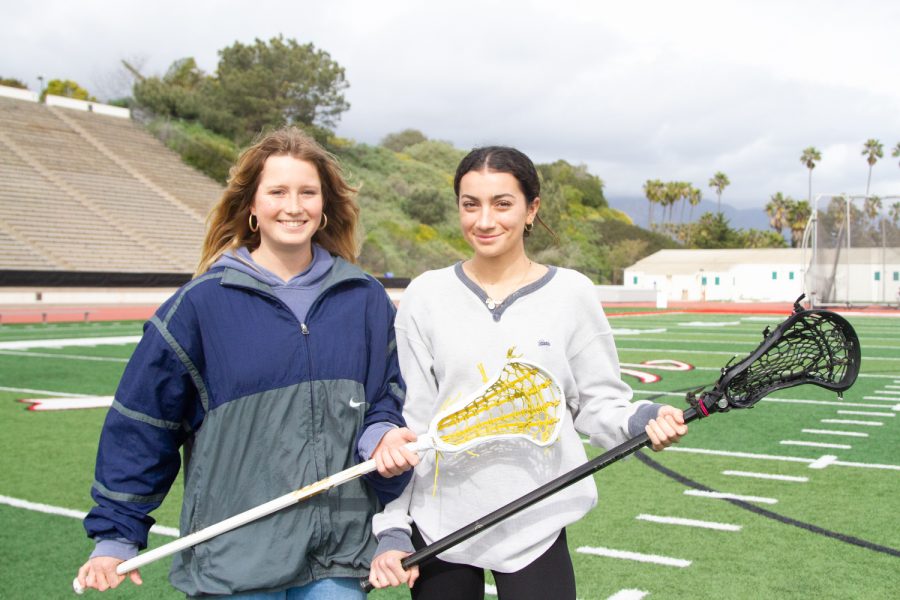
{"x": 523, "y": 400}
{"x": 815, "y": 347}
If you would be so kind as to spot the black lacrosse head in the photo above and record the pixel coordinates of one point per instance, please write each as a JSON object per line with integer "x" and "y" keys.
{"x": 811, "y": 346}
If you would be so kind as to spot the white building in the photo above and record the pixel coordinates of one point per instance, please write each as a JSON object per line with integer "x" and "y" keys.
{"x": 720, "y": 275}
{"x": 767, "y": 275}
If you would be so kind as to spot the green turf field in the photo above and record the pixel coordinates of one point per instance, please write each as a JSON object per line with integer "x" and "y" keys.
{"x": 808, "y": 526}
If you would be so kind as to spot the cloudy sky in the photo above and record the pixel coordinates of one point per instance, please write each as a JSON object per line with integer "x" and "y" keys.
{"x": 635, "y": 90}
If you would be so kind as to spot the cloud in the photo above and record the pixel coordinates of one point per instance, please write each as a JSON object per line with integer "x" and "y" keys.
{"x": 645, "y": 90}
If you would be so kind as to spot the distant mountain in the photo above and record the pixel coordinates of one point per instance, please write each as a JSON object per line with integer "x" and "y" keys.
{"x": 738, "y": 218}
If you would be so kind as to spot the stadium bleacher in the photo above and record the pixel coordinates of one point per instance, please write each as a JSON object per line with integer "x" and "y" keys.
{"x": 85, "y": 192}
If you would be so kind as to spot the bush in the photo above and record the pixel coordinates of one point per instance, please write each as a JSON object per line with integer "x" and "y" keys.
{"x": 205, "y": 151}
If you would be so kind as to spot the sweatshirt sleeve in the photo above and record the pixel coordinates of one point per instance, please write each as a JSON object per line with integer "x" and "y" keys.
{"x": 603, "y": 407}
{"x": 385, "y": 394}
{"x": 138, "y": 455}
{"x": 416, "y": 362}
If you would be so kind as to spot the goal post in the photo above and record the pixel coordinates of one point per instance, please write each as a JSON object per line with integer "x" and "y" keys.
{"x": 851, "y": 251}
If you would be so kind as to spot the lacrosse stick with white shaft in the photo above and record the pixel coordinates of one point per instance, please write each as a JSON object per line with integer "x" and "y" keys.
{"x": 522, "y": 401}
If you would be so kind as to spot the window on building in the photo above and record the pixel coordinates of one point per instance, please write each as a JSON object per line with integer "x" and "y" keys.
{"x": 717, "y": 280}
{"x": 896, "y": 275}
{"x": 877, "y": 275}
{"x": 791, "y": 275}
{"x": 774, "y": 275}
{"x": 634, "y": 280}
{"x": 703, "y": 280}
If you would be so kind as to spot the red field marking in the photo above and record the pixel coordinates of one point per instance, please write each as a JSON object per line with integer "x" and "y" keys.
{"x": 75, "y": 314}
{"x": 87, "y": 313}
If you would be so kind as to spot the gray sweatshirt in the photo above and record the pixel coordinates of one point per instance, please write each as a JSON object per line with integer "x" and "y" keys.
{"x": 444, "y": 330}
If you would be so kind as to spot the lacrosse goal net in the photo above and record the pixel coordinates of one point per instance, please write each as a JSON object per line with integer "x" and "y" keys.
{"x": 851, "y": 251}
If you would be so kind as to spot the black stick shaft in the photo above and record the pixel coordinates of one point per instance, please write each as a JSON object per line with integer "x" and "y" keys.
{"x": 548, "y": 489}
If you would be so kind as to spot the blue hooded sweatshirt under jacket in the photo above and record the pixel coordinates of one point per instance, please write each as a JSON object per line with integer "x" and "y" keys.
{"x": 261, "y": 403}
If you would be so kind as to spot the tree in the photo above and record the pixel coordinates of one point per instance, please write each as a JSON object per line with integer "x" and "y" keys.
{"x": 281, "y": 82}
{"x": 694, "y": 198}
{"x": 653, "y": 191}
{"x": 671, "y": 195}
{"x": 719, "y": 182}
{"x": 712, "y": 231}
{"x": 777, "y": 211}
{"x": 15, "y": 83}
{"x": 580, "y": 185}
{"x": 180, "y": 93}
{"x": 896, "y": 152}
{"x": 810, "y": 157}
{"x": 797, "y": 215}
{"x": 67, "y": 88}
{"x": 403, "y": 139}
{"x": 895, "y": 213}
{"x": 756, "y": 238}
{"x": 872, "y": 150}
{"x": 428, "y": 205}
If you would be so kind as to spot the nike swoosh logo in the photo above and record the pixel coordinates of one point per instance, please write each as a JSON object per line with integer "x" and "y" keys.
{"x": 355, "y": 404}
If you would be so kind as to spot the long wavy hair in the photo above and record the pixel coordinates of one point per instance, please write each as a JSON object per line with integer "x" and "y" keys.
{"x": 228, "y": 226}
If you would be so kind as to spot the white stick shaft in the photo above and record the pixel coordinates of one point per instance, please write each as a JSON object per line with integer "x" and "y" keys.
{"x": 255, "y": 513}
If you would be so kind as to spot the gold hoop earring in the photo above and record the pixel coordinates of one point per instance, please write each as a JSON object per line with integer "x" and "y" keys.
{"x": 254, "y": 223}
{"x": 324, "y": 222}
{"x": 528, "y": 228}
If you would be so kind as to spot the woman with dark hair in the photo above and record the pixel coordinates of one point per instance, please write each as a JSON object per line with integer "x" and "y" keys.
{"x": 273, "y": 368}
{"x": 455, "y": 324}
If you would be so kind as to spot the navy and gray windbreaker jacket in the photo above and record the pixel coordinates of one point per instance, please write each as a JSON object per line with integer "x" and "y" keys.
{"x": 261, "y": 405}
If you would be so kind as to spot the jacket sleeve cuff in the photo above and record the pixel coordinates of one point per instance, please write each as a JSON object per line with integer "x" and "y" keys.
{"x": 371, "y": 437}
{"x": 119, "y": 548}
{"x": 394, "y": 539}
{"x": 638, "y": 421}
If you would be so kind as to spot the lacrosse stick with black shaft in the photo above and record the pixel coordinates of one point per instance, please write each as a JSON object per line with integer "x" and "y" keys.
{"x": 521, "y": 401}
{"x": 811, "y": 346}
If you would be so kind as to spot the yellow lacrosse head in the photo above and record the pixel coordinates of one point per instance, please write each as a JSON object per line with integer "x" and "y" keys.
{"x": 523, "y": 400}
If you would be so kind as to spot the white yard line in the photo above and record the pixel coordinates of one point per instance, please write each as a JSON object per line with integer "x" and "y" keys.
{"x": 833, "y": 432}
{"x": 808, "y": 461}
{"x": 69, "y": 403}
{"x": 822, "y": 402}
{"x": 62, "y": 356}
{"x": 864, "y": 413}
{"x": 689, "y": 522}
{"x": 823, "y": 461}
{"x": 815, "y": 444}
{"x": 43, "y": 392}
{"x": 65, "y": 343}
{"x": 727, "y": 496}
{"x": 766, "y": 476}
{"x": 852, "y": 422}
{"x": 626, "y": 555}
{"x": 74, "y": 514}
{"x": 629, "y": 595}
{"x": 720, "y": 353}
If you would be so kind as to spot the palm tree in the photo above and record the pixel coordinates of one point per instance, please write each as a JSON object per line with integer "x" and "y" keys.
{"x": 719, "y": 182}
{"x": 798, "y": 213}
{"x": 872, "y": 150}
{"x": 671, "y": 195}
{"x": 694, "y": 199}
{"x": 653, "y": 190}
{"x": 871, "y": 207}
{"x": 777, "y": 211}
{"x": 896, "y": 151}
{"x": 894, "y": 212}
{"x": 809, "y": 158}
